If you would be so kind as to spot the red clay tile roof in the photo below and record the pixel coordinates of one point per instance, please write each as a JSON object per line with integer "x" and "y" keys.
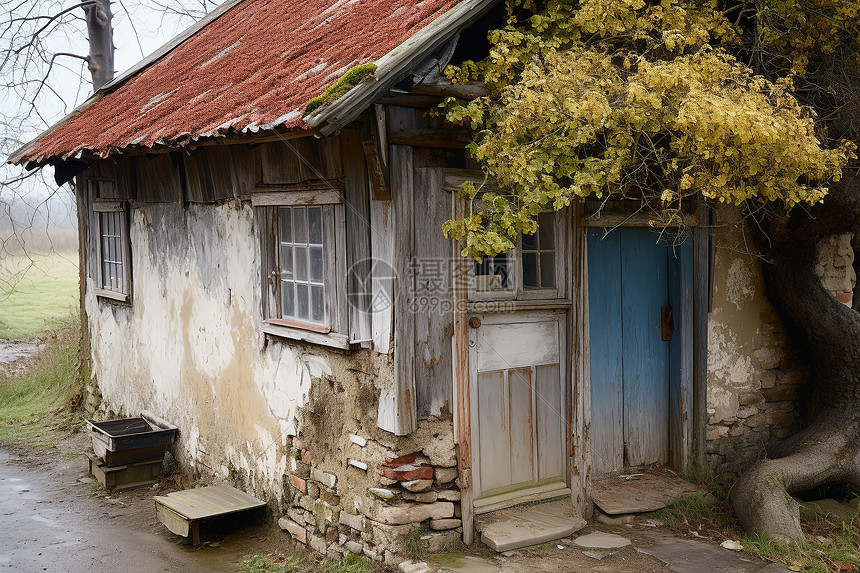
{"x": 254, "y": 67}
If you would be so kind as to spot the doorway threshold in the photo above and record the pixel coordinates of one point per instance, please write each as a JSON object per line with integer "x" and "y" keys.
{"x": 521, "y": 496}
{"x": 639, "y": 493}
{"x": 518, "y": 527}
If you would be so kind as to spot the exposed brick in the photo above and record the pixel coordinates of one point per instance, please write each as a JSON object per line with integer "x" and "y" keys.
{"x": 844, "y": 297}
{"x": 748, "y": 398}
{"x": 331, "y": 534}
{"x": 299, "y": 483}
{"x": 407, "y": 513}
{"x": 325, "y": 478}
{"x": 400, "y": 461}
{"x": 306, "y": 457}
{"x": 408, "y": 472}
{"x": 295, "y": 530}
{"x": 329, "y": 497}
{"x": 298, "y": 443}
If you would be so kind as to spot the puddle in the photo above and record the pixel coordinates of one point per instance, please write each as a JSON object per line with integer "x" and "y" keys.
{"x": 11, "y": 351}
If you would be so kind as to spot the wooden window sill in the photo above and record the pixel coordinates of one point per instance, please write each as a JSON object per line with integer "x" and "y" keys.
{"x": 331, "y": 339}
{"x": 112, "y": 295}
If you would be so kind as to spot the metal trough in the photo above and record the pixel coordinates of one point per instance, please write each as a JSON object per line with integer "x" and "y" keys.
{"x": 130, "y": 440}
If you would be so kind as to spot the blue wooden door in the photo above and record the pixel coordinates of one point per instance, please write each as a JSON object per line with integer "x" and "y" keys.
{"x": 632, "y": 278}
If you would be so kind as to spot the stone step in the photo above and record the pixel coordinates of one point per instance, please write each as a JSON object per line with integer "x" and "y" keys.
{"x": 523, "y": 527}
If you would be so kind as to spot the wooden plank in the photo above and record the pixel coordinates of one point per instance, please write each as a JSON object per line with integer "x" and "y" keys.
{"x": 358, "y": 230}
{"x": 580, "y": 394}
{"x": 493, "y": 433}
{"x": 450, "y": 138}
{"x": 462, "y": 387}
{"x": 382, "y": 241}
{"x": 295, "y": 198}
{"x": 644, "y": 353}
{"x": 605, "y": 327}
{"x": 177, "y": 524}
{"x": 211, "y": 501}
{"x": 433, "y": 317}
{"x": 268, "y": 230}
{"x": 521, "y": 413}
{"x": 404, "y": 330}
{"x": 549, "y": 422}
{"x": 701, "y": 296}
{"x": 158, "y": 179}
{"x": 501, "y": 345}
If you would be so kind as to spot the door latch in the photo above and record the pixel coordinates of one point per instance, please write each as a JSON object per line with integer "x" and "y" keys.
{"x": 666, "y": 322}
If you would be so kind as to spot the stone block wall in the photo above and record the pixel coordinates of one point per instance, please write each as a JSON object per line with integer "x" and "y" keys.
{"x": 388, "y": 497}
{"x": 755, "y": 376}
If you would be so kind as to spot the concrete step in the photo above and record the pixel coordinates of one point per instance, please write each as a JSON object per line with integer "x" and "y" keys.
{"x": 525, "y": 526}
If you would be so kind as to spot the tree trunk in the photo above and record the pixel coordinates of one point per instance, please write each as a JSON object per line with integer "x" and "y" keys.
{"x": 828, "y": 450}
{"x": 100, "y": 29}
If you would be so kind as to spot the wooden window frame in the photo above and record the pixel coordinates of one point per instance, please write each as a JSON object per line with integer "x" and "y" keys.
{"x": 100, "y": 206}
{"x": 516, "y": 291}
{"x": 334, "y": 332}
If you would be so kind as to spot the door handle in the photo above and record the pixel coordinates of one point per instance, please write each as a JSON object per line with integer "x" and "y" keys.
{"x": 666, "y": 322}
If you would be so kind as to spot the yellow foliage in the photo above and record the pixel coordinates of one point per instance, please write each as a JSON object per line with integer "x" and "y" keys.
{"x": 606, "y": 97}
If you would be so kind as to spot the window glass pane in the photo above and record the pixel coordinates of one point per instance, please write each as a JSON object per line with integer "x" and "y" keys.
{"x": 286, "y": 221}
{"x": 288, "y": 299}
{"x": 316, "y": 264}
{"x": 317, "y": 304}
{"x": 546, "y": 231}
{"x": 286, "y": 262}
{"x": 301, "y": 263}
{"x": 300, "y": 225}
{"x": 302, "y": 302}
{"x": 547, "y": 270}
{"x": 530, "y": 274}
{"x": 315, "y": 225}
{"x": 106, "y": 275}
{"x": 492, "y": 273}
{"x": 529, "y": 242}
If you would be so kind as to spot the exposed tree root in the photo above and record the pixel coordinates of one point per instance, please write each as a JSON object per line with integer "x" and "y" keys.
{"x": 828, "y": 450}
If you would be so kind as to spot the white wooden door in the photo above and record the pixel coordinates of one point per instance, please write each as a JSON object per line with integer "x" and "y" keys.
{"x": 518, "y": 408}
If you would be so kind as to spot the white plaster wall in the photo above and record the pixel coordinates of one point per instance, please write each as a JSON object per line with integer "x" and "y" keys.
{"x": 190, "y": 348}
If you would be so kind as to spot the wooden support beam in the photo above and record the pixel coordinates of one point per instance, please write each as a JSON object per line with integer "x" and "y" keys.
{"x": 441, "y": 138}
{"x": 445, "y": 88}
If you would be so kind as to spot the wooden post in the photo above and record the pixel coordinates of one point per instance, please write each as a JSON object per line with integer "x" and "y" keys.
{"x": 462, "y": 419}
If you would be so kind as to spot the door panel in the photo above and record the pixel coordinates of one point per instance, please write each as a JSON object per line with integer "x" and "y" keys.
{"x": 607, "y": 388}
{"x": 518, "y": 404}
{"x": 631, "y": 276}
{"x": 644, "y": 290}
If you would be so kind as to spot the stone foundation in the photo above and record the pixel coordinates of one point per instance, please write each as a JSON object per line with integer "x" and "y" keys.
{"x": 755, "y": 377}
{"x": 405, "y": 500}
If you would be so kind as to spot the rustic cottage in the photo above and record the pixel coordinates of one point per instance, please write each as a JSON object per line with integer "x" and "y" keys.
{"x": 274, "y": 282}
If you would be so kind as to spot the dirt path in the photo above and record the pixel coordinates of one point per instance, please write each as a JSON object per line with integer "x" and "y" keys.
{"x": 52, "y": 518}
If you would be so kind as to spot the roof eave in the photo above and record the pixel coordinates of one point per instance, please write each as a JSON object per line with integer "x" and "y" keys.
{"x": 21, "y": 154}
{"x": 396, "y": 64}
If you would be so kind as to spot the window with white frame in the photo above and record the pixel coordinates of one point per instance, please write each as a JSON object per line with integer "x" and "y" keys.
{"x": 303, "y": 253}
{"x": 113, "y": 277}
{"x": 301, "y": 264}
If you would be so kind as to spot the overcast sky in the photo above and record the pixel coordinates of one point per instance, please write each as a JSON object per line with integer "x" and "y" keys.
{"x": 140, "y": 27}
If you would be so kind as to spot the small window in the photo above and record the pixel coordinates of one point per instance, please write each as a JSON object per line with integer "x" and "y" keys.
{"x": 530, "y": 271}
{"x": 302, "y": 245}
{"x": 112, "y": 250}
{"x": 538, "y": 255}
{"x": 301, "y": 263}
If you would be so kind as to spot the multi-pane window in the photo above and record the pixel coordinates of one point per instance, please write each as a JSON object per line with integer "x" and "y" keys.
{"x": 302, "y": 264}
{"x": 111, "y": 268}
{"x": 528, "y": 271}
{"x": 112, "y": 227}
{"x": 538, "y": 254}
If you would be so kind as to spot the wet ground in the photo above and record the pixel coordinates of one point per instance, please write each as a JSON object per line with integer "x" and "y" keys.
{"x": 14, "y": 353}
{"x": 52, "y": 518}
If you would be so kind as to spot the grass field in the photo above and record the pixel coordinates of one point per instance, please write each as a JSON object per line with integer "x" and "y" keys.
{"x": 33, "y": 293}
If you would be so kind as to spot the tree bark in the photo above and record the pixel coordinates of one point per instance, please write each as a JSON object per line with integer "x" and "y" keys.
{"x": 828, "y": 450}
{"x": 100, "y": 29}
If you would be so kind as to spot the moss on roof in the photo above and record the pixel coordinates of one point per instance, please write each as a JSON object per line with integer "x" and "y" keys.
{"x": 346, "y": 82}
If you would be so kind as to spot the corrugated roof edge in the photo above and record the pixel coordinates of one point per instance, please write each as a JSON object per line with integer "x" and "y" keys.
{"x": 393, "y": 66}
{"x": 16, "y": 156}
